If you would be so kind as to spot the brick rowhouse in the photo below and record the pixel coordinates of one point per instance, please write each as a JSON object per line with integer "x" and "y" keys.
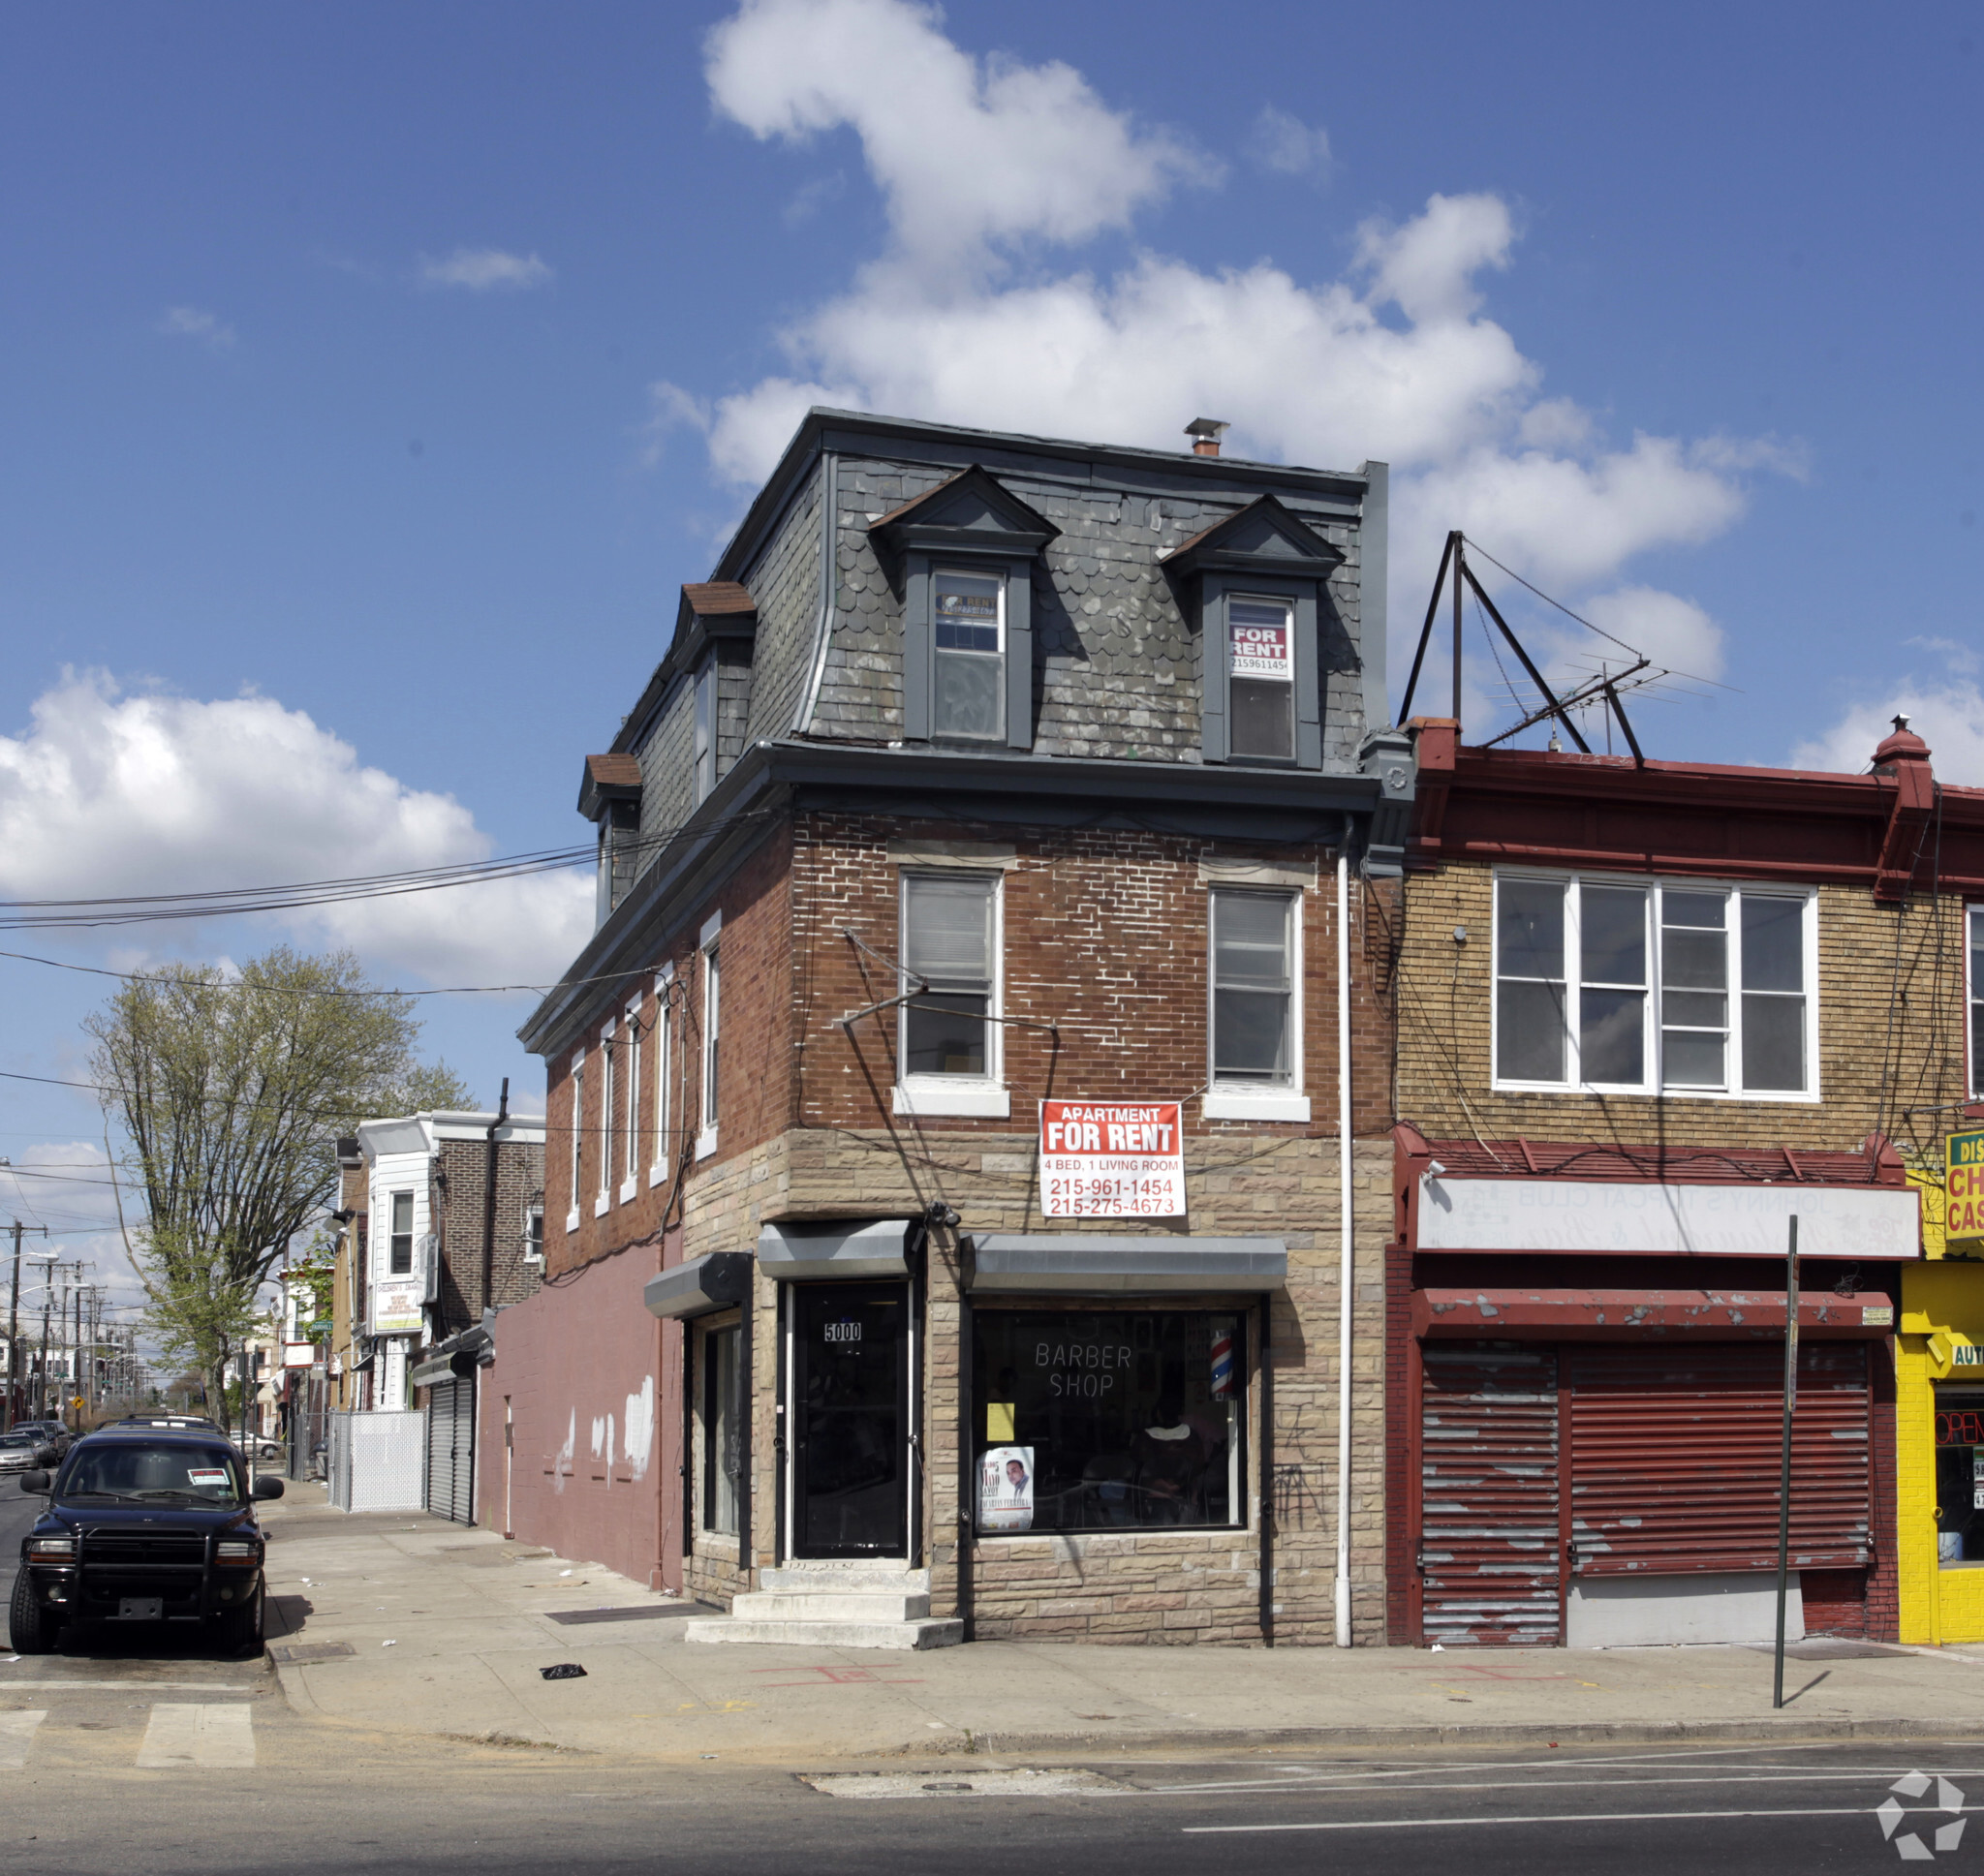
{"x": 1647, "y": 1014}
{"x": 982, "y": 771}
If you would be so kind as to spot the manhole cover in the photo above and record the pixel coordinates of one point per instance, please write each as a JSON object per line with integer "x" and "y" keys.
{"x": 1055, "y": 1783}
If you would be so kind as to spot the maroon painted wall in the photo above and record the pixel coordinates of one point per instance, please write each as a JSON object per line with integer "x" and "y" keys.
{"x": 578, "y": 1354}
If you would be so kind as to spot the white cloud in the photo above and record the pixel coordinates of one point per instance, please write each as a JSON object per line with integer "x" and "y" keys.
{"x": 194, "y": 323}
{"x": 1284, "y": 145}
{"x": 114, "y": 794}
{"x": 484, "y": 270}
{"x": 969, "y": 153}
{"x": 1948, "y": 717}
{"x": 1394, "y": 360}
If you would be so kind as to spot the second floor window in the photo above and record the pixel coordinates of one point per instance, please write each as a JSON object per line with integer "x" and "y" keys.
{"x": 1253, "y": 990}
{"x": 664, "y": 1030}
{"x": 948, "y": 942}
{"x": 607, "y": 1134}
{"x": 712, "y": 977}
{"x": 400, "y": 1243}
{"x": 969, "y": 649}
{"x": 577, "y": 1133}
{"x": 534, "y": 1233}
{"x": 634, "y": 1066}
{"x": 1687, "y": 986}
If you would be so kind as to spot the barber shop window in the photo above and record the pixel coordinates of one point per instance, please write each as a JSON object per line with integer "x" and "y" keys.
{"x": 1960, "y": 1474}
{"x": 1679, "y": 986}
{"x": 969, "y": 652}
{"x": 1260, "y": 669}
{"x": 950, "y": 943}
{"x": 723, "y": 1450}
{"x": 1105, "y": 1420}
{"x": 400, "y": 1242}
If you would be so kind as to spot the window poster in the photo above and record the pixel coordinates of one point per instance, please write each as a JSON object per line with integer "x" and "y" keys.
{"x": 1260, "y": 643}
{"x": 1005, "y": 1489}
{"x": 1112, "y": 1159}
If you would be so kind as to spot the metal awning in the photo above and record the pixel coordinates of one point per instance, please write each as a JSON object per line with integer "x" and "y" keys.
{"x": 459, "y": 1355}
{"x": 1090, "y": 1264}
{"x": 714, "y": 1281}
{"x": 793, "y": 1253}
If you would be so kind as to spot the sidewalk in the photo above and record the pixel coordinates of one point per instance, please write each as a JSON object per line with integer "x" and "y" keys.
{"x": 402, "y": 1621}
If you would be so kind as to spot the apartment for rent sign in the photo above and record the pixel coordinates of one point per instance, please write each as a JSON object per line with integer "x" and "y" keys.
{"x": 1112, "y": 1159}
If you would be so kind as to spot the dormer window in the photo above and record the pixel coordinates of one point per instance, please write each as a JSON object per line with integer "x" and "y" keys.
{"x": 970, "y": 652}
{"x": 706, "y": 729}
{"x": 963, "y": 555}
{"x": 1258, "y": 585}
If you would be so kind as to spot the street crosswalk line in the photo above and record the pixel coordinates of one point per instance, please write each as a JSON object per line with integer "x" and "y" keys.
{"x": 214, "y": 1736}
{"x": 17, "y": 1735}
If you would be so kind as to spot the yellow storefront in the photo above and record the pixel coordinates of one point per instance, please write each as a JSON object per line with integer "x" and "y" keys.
{"x": 1940, "y": 1435}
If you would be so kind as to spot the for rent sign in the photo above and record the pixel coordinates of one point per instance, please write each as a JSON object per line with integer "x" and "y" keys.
{"x": 1112, "y": 1159}
{"x": 1964, "y": 1188}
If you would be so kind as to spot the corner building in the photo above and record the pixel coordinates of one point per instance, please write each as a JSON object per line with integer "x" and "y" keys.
{"x": 984, "y": 771}
{"x": 1649, "y": 1014}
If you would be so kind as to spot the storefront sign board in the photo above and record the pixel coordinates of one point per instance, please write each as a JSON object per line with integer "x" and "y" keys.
{"x": 1964, "y": 1188}
{"x": 1112, "y": 1159}
{"x": 1671, "y": 1220}
{"x": 397, "y": 1305}
{"x": 298, "y": 1354}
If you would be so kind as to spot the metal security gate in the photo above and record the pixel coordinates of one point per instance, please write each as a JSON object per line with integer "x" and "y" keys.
{"x": 1675, "y": 1455}
{"x": 1488, "y": 1546}
{"x": 451, "y": 1449}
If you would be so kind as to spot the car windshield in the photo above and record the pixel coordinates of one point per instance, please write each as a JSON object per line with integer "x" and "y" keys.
{"x": 19, "y": 1439}
{"x": 151, "y": 1473}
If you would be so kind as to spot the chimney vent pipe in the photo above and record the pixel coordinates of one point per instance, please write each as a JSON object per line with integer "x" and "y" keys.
{"x": 1205, "y": 432}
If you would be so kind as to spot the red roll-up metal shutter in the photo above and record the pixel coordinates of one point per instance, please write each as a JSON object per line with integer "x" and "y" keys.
{"x": 1675, "y": 1456}
{"x": 1488, "y": 1545}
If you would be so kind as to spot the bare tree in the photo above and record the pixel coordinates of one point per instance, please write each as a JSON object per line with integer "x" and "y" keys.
{"x": 230, "y": 1091}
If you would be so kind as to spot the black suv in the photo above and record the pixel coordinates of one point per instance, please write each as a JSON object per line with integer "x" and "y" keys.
{"x": 143, "y": 1524}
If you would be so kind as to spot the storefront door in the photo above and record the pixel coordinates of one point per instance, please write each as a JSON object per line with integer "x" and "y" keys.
{"x": 851, "y": 1420}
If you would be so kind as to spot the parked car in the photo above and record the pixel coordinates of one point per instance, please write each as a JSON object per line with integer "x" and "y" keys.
{"x": 143, "y": 1524}
{"x": 49, "y": 1432}
{"x": 18, "y": 1449}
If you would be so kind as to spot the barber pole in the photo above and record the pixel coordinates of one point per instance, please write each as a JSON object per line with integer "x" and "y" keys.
{"x": 1223, "y": 1367}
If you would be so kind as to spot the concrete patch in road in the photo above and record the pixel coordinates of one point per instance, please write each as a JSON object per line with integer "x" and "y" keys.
{"x": 1059, "y": 1782}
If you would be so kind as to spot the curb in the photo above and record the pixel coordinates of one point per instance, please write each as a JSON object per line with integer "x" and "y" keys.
{"x": 1476, "y": 1732}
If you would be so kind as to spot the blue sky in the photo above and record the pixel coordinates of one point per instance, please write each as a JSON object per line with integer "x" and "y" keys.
{"x": 372, "y": 375}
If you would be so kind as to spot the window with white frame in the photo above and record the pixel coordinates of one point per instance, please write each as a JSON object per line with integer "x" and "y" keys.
{"x": 578, "y": 1079}
{"x": 663, "y": 1054}
{"x": 949, "y": 946}
{"x": 968, "y": 649}
{"x": 1685, "y": 986}
{"x": 712, "y": 1001}
{"x": 1255, "y": 1040}
{"x": 630, "y": 1168}
{"x": 608, "y": 1135}
{"x": 399, "y": 1244}
{"x": 533, "y": 1232}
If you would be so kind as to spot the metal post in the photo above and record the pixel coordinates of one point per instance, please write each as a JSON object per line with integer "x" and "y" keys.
{"x": 13, "y": 1388}
{"x": 1784, "y": 1469}
{"x": 1459, "y": 567}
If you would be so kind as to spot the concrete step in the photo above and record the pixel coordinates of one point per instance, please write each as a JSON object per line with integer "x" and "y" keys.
{"x": 814, "y": 1605}
{"x": 808, "y": 1579}
{"x": 929, "y": 1633}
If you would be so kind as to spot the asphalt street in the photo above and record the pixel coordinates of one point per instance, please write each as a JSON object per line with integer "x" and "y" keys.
{"x": 119, "y": 1750}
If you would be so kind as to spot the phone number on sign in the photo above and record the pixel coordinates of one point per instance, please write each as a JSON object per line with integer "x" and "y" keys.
{"x": 1100, "y": 1198}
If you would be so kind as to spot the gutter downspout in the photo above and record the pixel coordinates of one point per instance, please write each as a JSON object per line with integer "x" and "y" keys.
{"x": 1346, "y": 1262}
{"x": 489, "y": 1198}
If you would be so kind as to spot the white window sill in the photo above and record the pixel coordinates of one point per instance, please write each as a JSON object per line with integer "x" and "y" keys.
{"x": 572, "y": 1219}
{"x": 706, "y": 1143}
{"x": 657, "y": 1173}
{"x": 600, "y": 1204}
{"x": 628, "y": 1189}
{"x": 1782, "y": 1095}
{"x": 1256, "y": 1104}
{"x": 955, "y": 1095}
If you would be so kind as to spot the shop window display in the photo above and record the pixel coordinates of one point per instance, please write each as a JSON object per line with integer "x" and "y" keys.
{"x": 1960, "y": 1475}
{"x": 1101, "y": 1420}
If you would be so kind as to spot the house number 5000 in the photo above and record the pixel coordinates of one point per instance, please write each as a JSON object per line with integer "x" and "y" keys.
{"x": 844, "y": 1332}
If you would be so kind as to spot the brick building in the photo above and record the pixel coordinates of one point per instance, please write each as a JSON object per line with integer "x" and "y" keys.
{"x": 1648, "y": 1014}
{"x": 985, "y": 772}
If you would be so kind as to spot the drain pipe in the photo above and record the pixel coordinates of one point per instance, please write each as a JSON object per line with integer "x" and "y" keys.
{"x": 1345, "y": 1260}
{"x": 489, "y": 1198}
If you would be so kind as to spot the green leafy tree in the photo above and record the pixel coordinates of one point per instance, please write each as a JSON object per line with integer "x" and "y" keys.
{"x": 229, "y": 1091}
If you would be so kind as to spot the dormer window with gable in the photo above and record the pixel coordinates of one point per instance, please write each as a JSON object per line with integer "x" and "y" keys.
{"x": 610, "y": 796}
{"x": 963, "y": 556}
{"x": 1256, "y": 583}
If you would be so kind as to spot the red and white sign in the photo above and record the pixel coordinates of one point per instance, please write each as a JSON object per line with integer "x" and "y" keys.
{"x": 1262, "y": 650}
{"x": 298, "y": 1354}
{"x": 1112, "y": 1159}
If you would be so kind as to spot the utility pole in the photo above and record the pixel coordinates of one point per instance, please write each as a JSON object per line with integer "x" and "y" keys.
{"x": 14, "y": 1323}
